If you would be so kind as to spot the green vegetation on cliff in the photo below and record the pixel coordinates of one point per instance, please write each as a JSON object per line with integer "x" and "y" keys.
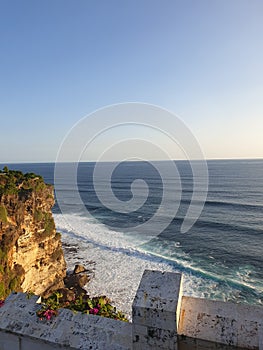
{"x": 10, "y": 280}
{"x": 15, "y": 182}
{"x": 3, "y": 214}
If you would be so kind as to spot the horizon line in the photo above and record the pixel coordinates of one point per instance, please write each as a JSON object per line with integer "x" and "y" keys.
{"x": 130, "y": 161}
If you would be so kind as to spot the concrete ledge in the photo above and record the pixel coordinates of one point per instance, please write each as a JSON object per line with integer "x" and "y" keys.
{"x": 232, "y": 324}
{"x": 20, "y": 325}
{"x": 157, "y": 309}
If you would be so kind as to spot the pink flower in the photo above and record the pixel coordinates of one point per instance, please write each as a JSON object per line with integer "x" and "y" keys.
{"x": 94, "y": 311}
{"x": 2, "y": 302}
{"x": 49, "y": 313}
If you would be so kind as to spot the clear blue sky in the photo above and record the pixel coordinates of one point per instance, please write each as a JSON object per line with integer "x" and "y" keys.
{"x": 62, "y": 59}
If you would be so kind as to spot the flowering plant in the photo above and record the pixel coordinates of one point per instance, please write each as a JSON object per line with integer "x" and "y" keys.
{"x": 46, "y": 313}
{"x": 100, "y": 306}
{"x": 50, "y": 307}
{"x": 2, "y": 301}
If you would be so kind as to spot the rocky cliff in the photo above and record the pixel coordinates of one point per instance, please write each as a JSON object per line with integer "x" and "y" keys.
{"x": 31, "y": 256}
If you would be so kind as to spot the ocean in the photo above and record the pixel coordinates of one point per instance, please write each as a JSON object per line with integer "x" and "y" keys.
{"x": 220, "y": 257}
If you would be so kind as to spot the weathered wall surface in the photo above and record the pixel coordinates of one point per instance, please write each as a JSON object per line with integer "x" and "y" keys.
{"x": 154, "y": 311}
{"x": 227, "y": 323}
{"x": 203, "y": 324}
{"x": 21, "y": 329}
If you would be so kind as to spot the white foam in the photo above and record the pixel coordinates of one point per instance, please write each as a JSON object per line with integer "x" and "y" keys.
{"x": 119, "y": 265}
{"x": 93, "y": 231}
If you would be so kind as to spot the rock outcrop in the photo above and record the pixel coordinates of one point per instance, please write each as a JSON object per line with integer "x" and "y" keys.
{"x": 31, "y": 255}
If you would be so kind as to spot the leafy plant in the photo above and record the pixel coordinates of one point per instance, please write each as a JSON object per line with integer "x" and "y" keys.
{"x": 100, "y": 306}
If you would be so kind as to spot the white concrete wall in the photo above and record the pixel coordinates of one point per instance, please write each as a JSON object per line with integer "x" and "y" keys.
{"x": 156, "y": 311}
{"x": 21, "y": 329}
{"x": 227, "y": 323}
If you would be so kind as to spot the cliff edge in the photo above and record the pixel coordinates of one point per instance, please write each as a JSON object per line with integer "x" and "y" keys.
{"x": 31, "y": 255}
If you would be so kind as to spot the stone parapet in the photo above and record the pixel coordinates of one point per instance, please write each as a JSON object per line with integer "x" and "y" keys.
{"x": 238, "y": 325}
{"x": 21, "y": 329}
{"x": 155, "y": 311}
{"x": 161, "y": 320}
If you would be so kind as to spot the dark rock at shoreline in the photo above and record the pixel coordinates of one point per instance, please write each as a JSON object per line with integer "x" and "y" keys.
{"x": 75, "y": 281}
{"x": 79, "y": 268}
{"x": 70, "y": 248}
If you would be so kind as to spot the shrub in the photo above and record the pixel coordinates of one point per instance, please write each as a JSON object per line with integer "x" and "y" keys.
{"x": 10, "y": 188}
{"x": 14, "y": 284}
{"x": 38, "y": 215}
{"x": 49, "y": 224}
{"x": 11, "y": 179}
{"x": 3, "y": 214}
{"x": 30, "y": 176}
{"x": 2, "y": 290}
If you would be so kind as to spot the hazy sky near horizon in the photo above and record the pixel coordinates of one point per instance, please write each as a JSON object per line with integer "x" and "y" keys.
{"x": 62, "y": 59}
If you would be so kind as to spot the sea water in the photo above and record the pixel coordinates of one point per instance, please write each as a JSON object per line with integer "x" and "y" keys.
{"x": 221, "y": 256}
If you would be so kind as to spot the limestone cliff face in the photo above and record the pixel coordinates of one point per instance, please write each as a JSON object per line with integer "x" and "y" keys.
{"x": 31, "y": 256}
